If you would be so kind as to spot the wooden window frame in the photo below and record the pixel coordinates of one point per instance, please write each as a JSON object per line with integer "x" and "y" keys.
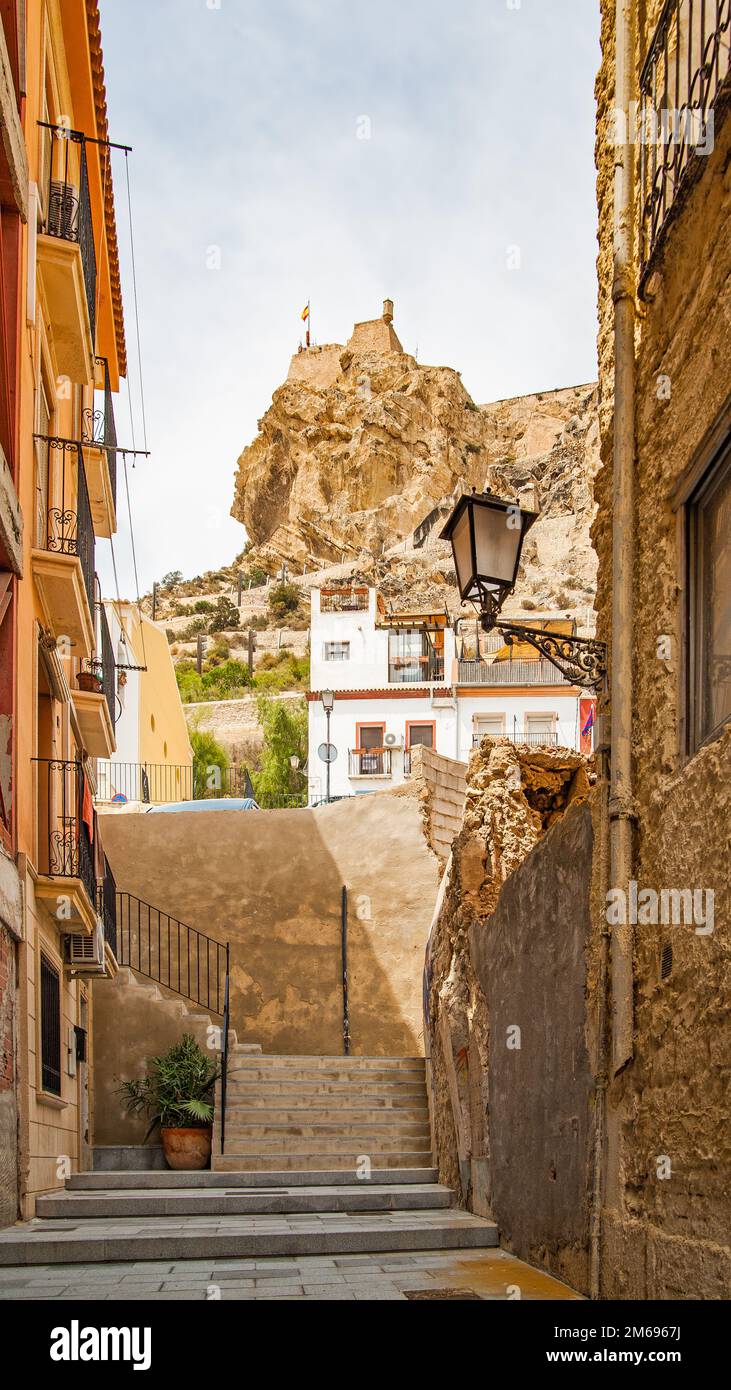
{"x": 369, "y": 724}
{"x": 56, "y": 968}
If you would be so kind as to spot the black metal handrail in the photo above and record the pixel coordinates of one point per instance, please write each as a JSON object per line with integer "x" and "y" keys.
{"x": 224, "y": 1043}
{"x": 69, "y": 525}
{"x": 684, "y": 91}
{"x": 343, "y": 600}
{"x": 166, "y": 950}
{"x": 428, "y": 524}
{"x": 68, "y": 214}
{"x": 99, "y": 428}
{"x": 71, "y": 826}
{"x": 163, "y": 783}
{"x": 416, "y": 670}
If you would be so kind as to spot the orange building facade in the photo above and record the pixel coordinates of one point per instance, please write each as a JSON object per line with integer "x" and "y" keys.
{"x": 62, "y": 357}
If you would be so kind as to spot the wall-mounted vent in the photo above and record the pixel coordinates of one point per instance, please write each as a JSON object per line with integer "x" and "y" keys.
{"x": 86, "y": 953}
{"x": 666, "y": 961}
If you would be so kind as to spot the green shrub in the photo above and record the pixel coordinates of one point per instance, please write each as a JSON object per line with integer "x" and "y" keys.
{"x": 283, "y": 600}
{"x": 210, "y": 761}
{"x": 225, "y": 615}
{"x": 226, "y": 682}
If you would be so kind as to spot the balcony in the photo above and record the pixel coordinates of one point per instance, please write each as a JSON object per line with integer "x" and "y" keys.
{"x": 99, "y": 442}
{"x": 684, "y": 92}
{"x": 67, "y": 844}
{"x": 66, "y": 254}
{"x": 369, "y": 762}
{"x": 343, "y": 600}
{"x": 107, "y": 911}
{"x": 528, "y": 737}
{"x": 63, "y": 562}
{"x": 515, "y": 673}
{"x": 427, "y": 669}
{"x": 96, "y": 697}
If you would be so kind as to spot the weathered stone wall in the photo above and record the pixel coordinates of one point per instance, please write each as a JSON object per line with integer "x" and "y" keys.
{"x": 441, "y": 787}
{"x": 509, "y": 950}
{"x": 668, "y": 1236}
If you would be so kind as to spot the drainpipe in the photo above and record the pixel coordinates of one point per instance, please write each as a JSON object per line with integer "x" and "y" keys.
{"x": 616, "y": 809}
{"x": 621, "y": 803}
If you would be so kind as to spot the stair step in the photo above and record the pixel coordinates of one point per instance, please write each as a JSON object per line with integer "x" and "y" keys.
{"x": 293, "y": 1092}
{"x": 360, "y": 1115}
{"x": 233, "y": 1160}
{"x": 323, "y": 1061}
{"x": 326, "y": 1075}
{"x": 285, "y": 1130}
{"x": 231, "y": 1201}
{"x": 241, "y": 1237}
{"x": 150, "y": 1180}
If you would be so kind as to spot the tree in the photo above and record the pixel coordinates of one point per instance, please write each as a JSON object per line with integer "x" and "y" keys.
{"x": 210, "y": 761}
{"x": 227, "y": 681}
{"x": 284, "y": 723}
{"x": 225, "y": 615}
{"x": 283, "y": 600}
{"x": 170, "y": 579}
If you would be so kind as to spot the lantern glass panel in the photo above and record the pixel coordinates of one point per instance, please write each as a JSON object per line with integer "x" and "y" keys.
{"x": 462, "y": 547}
{"x": 497, "y": 543}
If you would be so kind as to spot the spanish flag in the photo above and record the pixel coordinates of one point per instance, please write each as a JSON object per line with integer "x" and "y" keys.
{"x": 305, "y": 312}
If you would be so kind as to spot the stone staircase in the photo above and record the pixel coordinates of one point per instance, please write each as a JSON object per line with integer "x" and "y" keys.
{"x": 314, "y": 1113}
{"x": 322, "y": 1156}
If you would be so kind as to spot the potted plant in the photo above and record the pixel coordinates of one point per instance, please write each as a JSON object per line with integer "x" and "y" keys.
{"x": 90, "y": 679}
{"x": 176, "y": 1092}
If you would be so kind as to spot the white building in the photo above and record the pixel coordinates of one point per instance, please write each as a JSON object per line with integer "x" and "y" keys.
{"x": 400, "y": 678}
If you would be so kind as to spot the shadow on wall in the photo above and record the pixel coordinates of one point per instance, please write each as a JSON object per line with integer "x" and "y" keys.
{"x": 270, "y": 883}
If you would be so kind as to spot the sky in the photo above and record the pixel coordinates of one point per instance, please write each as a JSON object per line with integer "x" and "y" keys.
{"x": 438, "y": 154}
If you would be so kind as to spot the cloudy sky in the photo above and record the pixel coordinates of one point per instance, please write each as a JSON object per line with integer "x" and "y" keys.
{"x": 440, "y": 154}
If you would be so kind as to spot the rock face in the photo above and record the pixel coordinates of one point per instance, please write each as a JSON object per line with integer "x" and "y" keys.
{"x": 361, "y": 443}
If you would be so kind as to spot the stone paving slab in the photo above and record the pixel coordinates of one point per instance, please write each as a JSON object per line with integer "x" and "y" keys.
{"x": 385, "y": 1276}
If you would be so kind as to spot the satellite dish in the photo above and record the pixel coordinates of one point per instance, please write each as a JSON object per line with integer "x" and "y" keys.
{"x": 327, "y": 752}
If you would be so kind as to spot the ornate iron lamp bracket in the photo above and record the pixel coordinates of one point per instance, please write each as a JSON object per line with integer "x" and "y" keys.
{"x": 582, "y": 660}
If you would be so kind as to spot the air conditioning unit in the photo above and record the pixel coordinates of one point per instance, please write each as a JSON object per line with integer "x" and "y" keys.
{"x": 63, "y": 210}
{"x": 392, "y": 741}
{"x": 85, "y": 954}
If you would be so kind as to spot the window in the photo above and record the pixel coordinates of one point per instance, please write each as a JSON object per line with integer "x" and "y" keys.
{"x": 539, "y": 723}
{"x": 415, "y": 656}
{"x": 336, "y": 651}
{"x": 370, "y": 757}
{"x": 50, "y": 1028}
{"x": 420, "y": 734}
{"x": 709, "y": 602}
{"x": 493, "y": 724}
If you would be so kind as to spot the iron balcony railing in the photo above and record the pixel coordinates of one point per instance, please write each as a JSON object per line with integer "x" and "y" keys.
{"x": 159, "y": 784}
{"x": 521, "y": 672}
{"x": 68, "y": 204}
{"x": 684, "y": 93}
{"x": 343, "y": 600}
{"x": 107, "y": 907}
{"x": 108, "y": 666}
{"x": 527, "y": 736}
{"x": 164, "y": 949}
{"x": 370, "y": 762}
{"x": 67, "y": 823}
{"x": 69, "y": 525}
{"x": 99, "y": 428}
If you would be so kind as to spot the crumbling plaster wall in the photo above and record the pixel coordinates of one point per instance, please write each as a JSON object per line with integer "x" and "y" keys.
{"x": 440, "y": 783}
{"x": 668, "y": 1236}
{"x": 508, "y": 950}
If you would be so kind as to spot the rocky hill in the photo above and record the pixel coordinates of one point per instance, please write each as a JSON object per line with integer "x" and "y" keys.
{"x": 362, "y": 442}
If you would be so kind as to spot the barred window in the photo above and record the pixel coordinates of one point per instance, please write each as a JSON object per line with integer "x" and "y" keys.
{"x": 50, "y": 1028}
{"x": 337, "y": 651}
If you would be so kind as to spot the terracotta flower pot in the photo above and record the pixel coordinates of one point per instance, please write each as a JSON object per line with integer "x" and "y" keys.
{"x": 88, "y": 681}
{"x": 187, "y": 1149}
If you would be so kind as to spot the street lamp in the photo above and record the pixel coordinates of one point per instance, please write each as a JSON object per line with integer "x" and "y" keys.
{"x": 486, "y": 535}
{"x": 328, "y": 701}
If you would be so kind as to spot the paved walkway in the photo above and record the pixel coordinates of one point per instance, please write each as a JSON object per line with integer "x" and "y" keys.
{"x": 486, "y": 1274}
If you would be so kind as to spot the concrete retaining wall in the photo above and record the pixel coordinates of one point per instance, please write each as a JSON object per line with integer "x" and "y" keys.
{"x": 441, "y": 782}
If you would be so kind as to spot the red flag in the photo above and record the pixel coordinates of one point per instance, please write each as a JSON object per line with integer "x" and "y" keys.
{"x": 587, "y": 719}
